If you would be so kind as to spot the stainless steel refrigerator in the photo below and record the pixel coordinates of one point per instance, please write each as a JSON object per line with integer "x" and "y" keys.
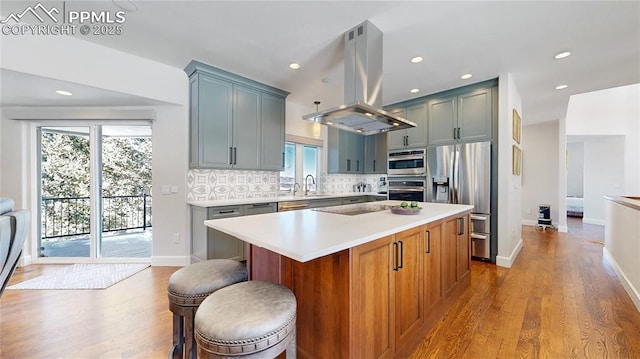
{"x": 462, "y": 174}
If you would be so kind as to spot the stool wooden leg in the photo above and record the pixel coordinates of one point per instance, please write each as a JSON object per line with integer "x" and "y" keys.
{"x": 291, "y": 351}
{"x": 190, "y": 347}
{"x": 178, "y": 337}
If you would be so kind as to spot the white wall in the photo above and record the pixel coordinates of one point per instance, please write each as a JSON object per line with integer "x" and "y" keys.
{"x": 604, "y": 174}
{"x": 74, "y": 60}
{"x": 509, "y": 186}
{"x": 540, "y": 163}
{"x": 575, "y": 169}
{"x": 609, "y": 112}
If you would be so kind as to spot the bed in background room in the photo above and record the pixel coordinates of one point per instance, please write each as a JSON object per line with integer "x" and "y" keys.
{"x": 575, "y": 206}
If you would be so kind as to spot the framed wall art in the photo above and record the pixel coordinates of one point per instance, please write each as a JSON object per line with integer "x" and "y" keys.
{"x": 517, "y": 126}
{"x": 516, "y": 164}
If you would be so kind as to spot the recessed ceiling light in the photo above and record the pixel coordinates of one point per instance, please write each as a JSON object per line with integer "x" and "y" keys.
{"x": 466, "y": 76}
{"x": 416, "y": 60}
{"x": 414, "y": 90}
{"x": 562, "y": 55}
{"x": 294, "y": 66}
{"x": 329, "y": 123}
{"x": 561, "y": 87}
{"x": 64, "y": 93}
{"x": 396, "y": 124}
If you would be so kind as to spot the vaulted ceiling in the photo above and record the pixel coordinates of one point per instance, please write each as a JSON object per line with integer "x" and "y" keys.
{"x": 260, "y": 39}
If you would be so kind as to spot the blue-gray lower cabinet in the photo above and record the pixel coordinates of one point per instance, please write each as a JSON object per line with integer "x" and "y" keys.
{"x": 234, "y": 122}
{"x": 207, "y": 243}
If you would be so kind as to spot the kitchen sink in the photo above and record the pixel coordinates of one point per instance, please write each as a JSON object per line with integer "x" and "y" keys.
{"x": 354, "y": 209}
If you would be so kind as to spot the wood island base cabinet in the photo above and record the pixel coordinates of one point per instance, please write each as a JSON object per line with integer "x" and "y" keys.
{"x": 376, "y": 300}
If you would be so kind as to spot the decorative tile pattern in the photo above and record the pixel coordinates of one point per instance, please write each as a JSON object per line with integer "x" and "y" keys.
{"x": 340, "y": 183}
{"x": 205, "y": 185}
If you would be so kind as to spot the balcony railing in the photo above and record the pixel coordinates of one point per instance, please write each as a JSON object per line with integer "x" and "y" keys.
{"x": 70, "y": 216}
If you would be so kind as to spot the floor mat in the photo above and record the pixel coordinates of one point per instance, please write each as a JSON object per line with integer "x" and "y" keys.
{"x": 83, "y": 276}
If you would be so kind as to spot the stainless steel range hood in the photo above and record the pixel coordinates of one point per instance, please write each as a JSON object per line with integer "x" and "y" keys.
{"x": 362, "y": 112}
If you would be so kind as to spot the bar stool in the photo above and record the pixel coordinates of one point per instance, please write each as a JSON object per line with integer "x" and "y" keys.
{"x": 247, "y": 320}
{"x": 186, "y": 290}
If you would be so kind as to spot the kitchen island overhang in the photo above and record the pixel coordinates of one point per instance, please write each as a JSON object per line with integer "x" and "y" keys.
{"x": 367, "y": 286}
{"x": 309, "y": 234}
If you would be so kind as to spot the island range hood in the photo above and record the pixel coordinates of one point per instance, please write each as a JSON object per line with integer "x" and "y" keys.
{"x": 362, "y": 109}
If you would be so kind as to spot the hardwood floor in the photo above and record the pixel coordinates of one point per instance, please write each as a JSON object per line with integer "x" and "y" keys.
{"x": 559, "y": 300}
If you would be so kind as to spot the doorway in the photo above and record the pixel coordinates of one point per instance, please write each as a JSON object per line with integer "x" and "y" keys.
{"x": 95, "y": 192}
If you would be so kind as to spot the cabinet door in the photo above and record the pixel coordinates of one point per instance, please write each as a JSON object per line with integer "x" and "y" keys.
{"x": 272, "y": 124}
{"x": 214, "y": 127}
{"x": 450, "y": 256}
{"x": 396, "y": 139}
{"x": 372, "y": 305}
{"x": 356, "y": 152}
{"x": 474, "y": 116}
{"x": 246, "y": 128}
{"x": 442, "y": 120}
{"x": 221, "y": 245}
{"x": 417, "y": 136}
{"x": 345, "y": 151}
{"x": 408, "y": 284}
{"x": 464, "y": 248}
{"x": 431, "y": 266}
{"x": 375, "y": 153}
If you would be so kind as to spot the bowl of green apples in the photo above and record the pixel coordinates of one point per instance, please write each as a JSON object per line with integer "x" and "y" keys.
{"x": 406, "y": 208}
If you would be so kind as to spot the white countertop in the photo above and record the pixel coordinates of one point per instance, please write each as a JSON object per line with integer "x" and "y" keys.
{"x": 231, "y": 202}
{"x": 308, "y": 234}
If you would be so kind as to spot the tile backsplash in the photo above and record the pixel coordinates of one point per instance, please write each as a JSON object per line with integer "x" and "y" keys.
{"x": 339, "y": 183}
{"x": 203, "y": 185}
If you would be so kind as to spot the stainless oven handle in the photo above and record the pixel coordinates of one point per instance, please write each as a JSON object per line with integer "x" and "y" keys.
{"x": 405, "y": 190}
{"x": 407, "y": 157}
{"x": 478, "y": 218}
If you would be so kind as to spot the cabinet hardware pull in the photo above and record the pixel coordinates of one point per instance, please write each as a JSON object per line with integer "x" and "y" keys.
{"x": 235, "y": 155}
{"x": 261, "y": 204}
{"x": 458, "y": 132}
{"x": 348, "y": 165}
{"x": 282, "y": 159}
{"x": 357, "y": 165}
{"x": 230, "y": 155}
{"x": 454, "y": 133}
{"x": 395, "y": 251}
{"x": 428, "y": 241}
{"x": 226, "y": 212}
{"x": 401, "y": 254}
{"x": 460, "y": 226}
{"x": 374, "y": 165}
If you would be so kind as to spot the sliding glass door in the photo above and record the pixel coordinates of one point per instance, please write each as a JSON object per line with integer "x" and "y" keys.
{"x": 95, "y": 192}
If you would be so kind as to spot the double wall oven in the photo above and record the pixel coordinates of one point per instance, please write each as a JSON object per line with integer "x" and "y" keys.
{"x": 407, "y": 171}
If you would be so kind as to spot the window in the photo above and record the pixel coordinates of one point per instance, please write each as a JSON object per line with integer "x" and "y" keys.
{"x": 300, "y": 160}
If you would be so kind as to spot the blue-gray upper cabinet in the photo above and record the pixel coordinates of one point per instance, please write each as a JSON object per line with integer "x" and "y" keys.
{"x": 375, "y": 153}
{"x": 412, "y": 137}
{"x": 345, "y": 151}
{"x": 272, "y": 150}
{"x": 234, "y": 122}
{"x": 462, "y": 117}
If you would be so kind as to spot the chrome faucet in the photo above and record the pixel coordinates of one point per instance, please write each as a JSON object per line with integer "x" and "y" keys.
{"x": 306, "y": 183}
{"x": 294, "y": 188}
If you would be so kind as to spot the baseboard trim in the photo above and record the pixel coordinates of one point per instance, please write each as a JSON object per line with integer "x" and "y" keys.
{"x": 25, "y": 260}
{"x": 528, "y": 222}
{"x": 593, "y": 221}
{"x": 507, "y": 262}
{"x": 170, "y": 261}
{"x": 628, "y": 286}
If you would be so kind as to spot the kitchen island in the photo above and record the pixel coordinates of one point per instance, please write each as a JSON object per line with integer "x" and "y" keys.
{"x": 369, "y": 283}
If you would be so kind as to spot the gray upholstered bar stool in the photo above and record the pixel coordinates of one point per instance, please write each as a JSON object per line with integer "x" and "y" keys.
{"x": 247, "y": 320}
{"x": 187, "y": 288}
